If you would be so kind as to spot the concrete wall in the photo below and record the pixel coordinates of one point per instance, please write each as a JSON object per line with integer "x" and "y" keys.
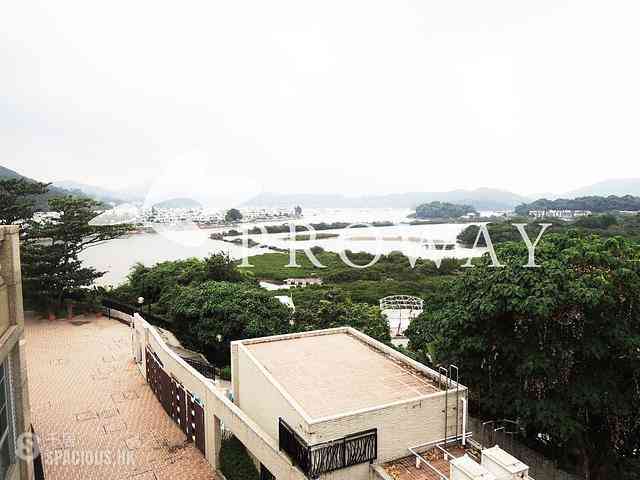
{"x": 218, "y": 409}
{"x": 12, "y": 340}
{"x": 399, "y": 426}
{"x": 260, "y": 398}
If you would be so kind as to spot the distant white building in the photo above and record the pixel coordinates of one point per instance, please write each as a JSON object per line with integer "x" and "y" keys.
{"x": 303, "y": 281}
{"x": 548, "y": 213}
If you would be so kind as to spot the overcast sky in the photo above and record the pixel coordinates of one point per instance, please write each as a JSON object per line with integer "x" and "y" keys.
{"x": 332, "y": 96}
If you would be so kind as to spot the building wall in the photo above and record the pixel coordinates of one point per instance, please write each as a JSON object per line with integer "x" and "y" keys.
{"x": 11, "y": 338}
{"x": 399, "y": 426}
{"x": 260, "y": 398}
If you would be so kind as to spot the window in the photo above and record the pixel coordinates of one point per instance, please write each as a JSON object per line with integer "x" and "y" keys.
{"x": 6, "y": 417}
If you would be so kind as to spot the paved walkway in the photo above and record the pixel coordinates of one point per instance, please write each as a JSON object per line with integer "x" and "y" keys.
{"x": 95, "y": 416}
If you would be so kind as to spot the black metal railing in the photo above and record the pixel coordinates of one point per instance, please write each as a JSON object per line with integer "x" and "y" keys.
{"x": 152, "y": 318}
{"x": 329, "y": 456}
{"x": 120, "y": 306}
{"x": 205, "y": 369}
{"x": 294, "y": 446}
{"x": 361, "y": 447}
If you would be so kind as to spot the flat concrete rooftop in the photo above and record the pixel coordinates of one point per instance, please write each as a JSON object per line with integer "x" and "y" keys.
{"x": 337, "y": 373}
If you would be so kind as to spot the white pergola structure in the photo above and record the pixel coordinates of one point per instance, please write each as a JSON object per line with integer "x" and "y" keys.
{"x": 400, "y": 310}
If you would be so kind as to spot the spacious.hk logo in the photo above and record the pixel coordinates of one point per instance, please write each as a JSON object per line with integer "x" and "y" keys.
{"x": 27, "y": 449}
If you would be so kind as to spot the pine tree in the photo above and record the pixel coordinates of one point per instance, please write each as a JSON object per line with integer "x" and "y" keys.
{"x": 52, "y": 270}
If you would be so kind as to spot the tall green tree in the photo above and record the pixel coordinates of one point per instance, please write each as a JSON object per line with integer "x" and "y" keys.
{"x": 164, "y": 277}
{"x": 208, "y": 316}
{"x": 557, "y": 347}
{"x": 52, "y": 269}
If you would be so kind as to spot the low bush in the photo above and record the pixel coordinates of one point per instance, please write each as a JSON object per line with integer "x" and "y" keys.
{"x": 225, "y": 373}
{"x": 235, "y": 462}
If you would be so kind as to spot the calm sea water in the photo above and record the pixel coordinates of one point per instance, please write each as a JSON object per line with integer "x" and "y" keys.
{"x": 116, "y": 257}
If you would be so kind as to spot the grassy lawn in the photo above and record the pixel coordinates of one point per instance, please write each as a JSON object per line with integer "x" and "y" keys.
{"x": 272, "y": 266}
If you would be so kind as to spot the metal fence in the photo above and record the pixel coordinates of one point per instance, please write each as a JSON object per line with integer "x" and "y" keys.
{"x": 505, "y": 434}
{"x": 179, "y": 403}
{"x": 327, "y": 457}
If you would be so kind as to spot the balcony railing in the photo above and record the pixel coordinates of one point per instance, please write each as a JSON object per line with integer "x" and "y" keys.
{"x": 329, "y": 456}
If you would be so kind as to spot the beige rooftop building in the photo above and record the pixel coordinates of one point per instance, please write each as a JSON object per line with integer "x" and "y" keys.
{"x": 341, "y": 390}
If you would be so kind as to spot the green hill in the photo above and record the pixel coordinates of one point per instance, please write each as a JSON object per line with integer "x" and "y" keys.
{"x": 443, "y": 210}
{"x": 42, "y": 201}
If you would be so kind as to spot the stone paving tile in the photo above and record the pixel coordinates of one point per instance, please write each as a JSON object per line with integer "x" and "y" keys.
{"x": 94, "y": 413}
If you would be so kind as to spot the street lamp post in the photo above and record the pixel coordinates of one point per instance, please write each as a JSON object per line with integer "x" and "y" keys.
{"x": 141, "y": 303}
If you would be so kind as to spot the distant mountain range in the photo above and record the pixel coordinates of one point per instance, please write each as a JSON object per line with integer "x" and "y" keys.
{"x": 619, "y": 187}
{"x": 102, "y": 194}
{"x": 480, "y": 198}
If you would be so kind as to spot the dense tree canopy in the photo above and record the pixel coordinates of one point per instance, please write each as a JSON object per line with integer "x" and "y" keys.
{"x": 557, "y": 347}
{"x": 594, "y": 204}
{"x": 443, "y": 210}
{"x": 504, "y": 231}
{"x": 201, "y": 312}
{"x": 604, "y": 225}
{"x": 318, "y": 309}
{"x": 201, "y": 299}
{"x": 152, "y": 282}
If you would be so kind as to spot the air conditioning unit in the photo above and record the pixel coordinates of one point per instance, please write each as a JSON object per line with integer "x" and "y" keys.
{"x": 465, "y": 468}
{"x": 503, "y": 465}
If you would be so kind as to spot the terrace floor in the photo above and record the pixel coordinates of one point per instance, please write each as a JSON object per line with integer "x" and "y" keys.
{"x": 405, "y": 468}
{"x": 95, "y": 416}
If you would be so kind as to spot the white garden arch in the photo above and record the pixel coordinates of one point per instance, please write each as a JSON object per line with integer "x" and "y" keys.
{"x": 400, "y": 310}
